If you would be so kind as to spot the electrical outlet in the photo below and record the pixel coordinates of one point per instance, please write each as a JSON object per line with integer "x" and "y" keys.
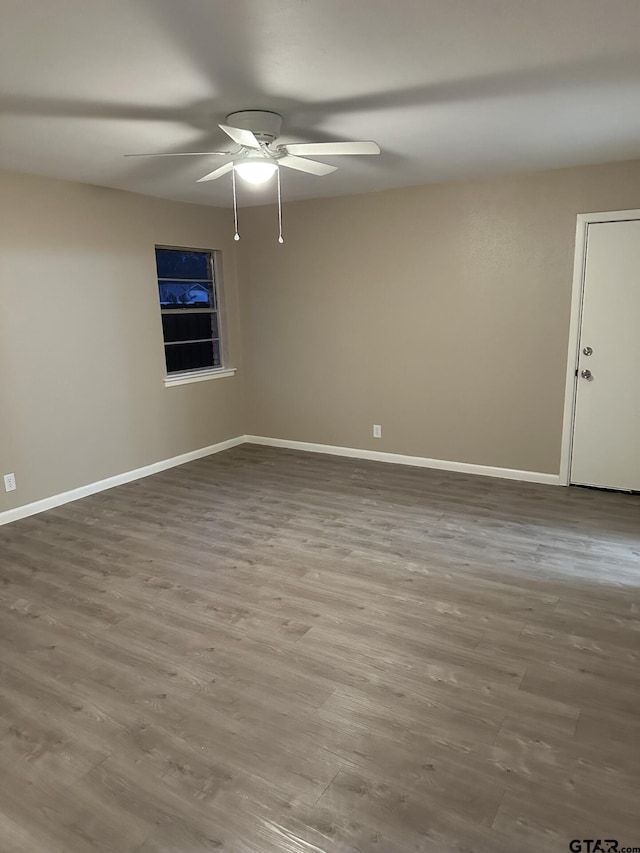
{"x": 377, "y": 431}
{"x": 10, "y": 482}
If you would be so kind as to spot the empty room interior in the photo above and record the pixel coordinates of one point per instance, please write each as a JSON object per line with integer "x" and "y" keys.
{"x": 320, "y": 426}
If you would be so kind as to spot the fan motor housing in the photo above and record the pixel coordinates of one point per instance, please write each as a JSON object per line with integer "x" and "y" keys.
{"x": 263, "y": 124}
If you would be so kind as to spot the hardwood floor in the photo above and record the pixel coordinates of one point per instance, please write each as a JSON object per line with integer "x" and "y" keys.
{"x": 270, "y": 651}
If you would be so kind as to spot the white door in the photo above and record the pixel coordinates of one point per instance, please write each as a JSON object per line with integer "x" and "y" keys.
{"x": 606, "y": 430}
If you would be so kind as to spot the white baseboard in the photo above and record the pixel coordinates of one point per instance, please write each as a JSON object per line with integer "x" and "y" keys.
{"x": 417, "y": 461}
{"x": 333, "y": 450}
{"x": 100, "y": 486}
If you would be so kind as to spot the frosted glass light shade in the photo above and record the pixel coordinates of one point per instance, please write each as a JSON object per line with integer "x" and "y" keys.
{"x": 256, "y": 171}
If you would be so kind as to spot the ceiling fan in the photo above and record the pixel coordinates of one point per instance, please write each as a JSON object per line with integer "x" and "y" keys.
{"x": 260, "y": 157}
{"x": 257, "y": 132}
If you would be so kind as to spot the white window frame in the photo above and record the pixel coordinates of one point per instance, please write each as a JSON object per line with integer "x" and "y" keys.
{"x": 223, "y": 369}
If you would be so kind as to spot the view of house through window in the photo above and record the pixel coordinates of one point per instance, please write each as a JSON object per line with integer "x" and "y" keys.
{"x": 190, "y": 310}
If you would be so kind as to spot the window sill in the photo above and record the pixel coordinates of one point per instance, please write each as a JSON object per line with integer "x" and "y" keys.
{"x": 198, "y": 376}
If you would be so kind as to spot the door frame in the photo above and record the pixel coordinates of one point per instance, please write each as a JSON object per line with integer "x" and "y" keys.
{"x": 577, "y": 293}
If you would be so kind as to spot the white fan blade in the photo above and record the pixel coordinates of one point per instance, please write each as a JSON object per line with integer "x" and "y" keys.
{"x": 242, "y": 137}
{"x": 328, "y": 149}
{"x": 182, "y": 154}
{"x": 217, "y": 173}
{"x": 302, "y": 165}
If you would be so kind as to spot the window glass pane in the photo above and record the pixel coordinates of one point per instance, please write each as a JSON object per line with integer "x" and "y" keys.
{"x": 179, "y": 264}
{"x": 188, "y": 327}
{"x": 179, "y": 294}
{"x": 190, "y": 357}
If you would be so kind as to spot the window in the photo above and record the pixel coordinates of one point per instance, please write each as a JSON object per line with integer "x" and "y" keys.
{"x": 190, "y": 309}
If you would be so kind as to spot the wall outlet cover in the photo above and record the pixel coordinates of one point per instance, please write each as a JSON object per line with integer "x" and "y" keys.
{"x": 377, "y": 430}
{"x": 10, "y": 482}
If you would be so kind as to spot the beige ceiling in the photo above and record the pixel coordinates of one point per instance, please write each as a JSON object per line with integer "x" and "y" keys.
{"x": 448, "y": 88}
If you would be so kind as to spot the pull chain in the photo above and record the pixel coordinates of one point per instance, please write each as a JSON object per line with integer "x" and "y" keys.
{"x": 236, "y": 236}
{"x": 280, "y": 237}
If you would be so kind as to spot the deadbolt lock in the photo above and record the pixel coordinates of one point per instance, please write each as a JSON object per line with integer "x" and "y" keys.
{"x": 587, "y": 351}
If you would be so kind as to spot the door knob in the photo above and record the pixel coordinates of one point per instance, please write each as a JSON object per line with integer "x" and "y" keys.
{"x": 586, "y": 374}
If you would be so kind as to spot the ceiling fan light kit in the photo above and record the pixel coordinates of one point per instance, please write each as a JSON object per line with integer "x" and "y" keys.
{"x": 255, "y": 170}
{"x": 260, "y": 158}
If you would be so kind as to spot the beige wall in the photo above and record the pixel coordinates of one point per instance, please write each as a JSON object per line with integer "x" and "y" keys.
{"x": 440, "y": 312}
{"x": 81, "y": 354}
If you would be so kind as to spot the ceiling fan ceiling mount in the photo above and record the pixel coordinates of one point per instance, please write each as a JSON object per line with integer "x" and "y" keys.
{"x": 264, "y": 125}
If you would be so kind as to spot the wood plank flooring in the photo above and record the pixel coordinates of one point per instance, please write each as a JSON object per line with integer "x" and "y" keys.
{"x": 276, "y": 651}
